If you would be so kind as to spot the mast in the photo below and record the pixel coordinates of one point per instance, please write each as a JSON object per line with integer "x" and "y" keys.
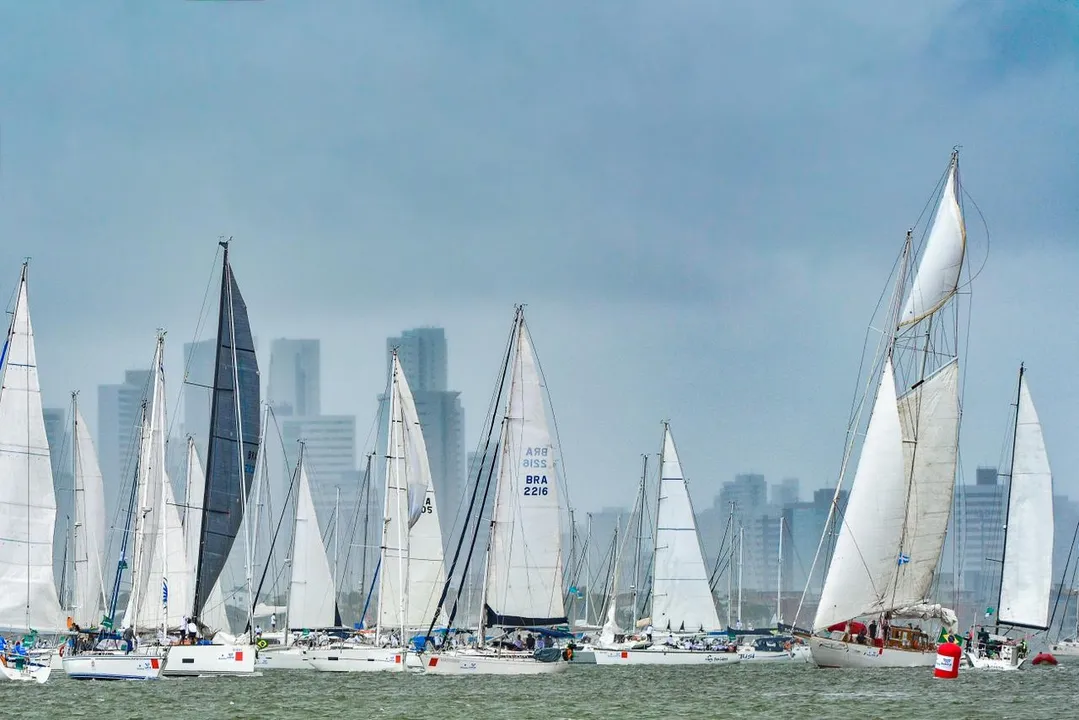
{"x": 730, "y": 567}
{"x": 336, "y": 533}
{"x": 74, "y": 506}
{"x": 366, "y": 532}
{"x": 1008, "y": 497}
{"x": 741, "y": 547}
{"x": 587, "y": 566}
{"x": 779, "y": 576}
{"x": 640, "y": 531}
{"x": 655, "y": 523}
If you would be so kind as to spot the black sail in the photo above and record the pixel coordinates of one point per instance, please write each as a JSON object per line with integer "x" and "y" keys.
{"x": 234, "y": 434}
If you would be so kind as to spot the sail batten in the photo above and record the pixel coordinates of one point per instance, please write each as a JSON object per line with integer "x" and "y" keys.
{"x": 681, "y": 596}
{"x": 234, "y": 438}
{"x": 1027, "y": 570}
{"x": 523, "y": 585}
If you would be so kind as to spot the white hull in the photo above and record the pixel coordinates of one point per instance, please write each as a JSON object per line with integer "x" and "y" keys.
{"x": 584, "y": 656}
{"x": 29, "y": 672}
{"x": 664, "y": 656}
{"x": 838, "y": 654}
{"x": 195, "y": 660}
{"x": 292, "y": 658}
{"x": 984, "y": 663}
{"x": 465, "y": 662}
{"x": 114, "y": 666}
{"x": 798, "y": 653}
{"x": 362, "y": 659}
{"x": 1065, "y": 649}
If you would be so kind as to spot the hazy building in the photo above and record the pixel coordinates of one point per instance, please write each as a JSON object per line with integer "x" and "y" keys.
{"x": 199, "y": 359}
{"x": 785, "y": 492}
{"x": 119, "y": 415}
{"x": 329, "y": 457}
{"x": 980, "y": 512}
{"x": 424, "y": 356}
{"x": 294, "y": 385}
{"x": 748, "y": 492}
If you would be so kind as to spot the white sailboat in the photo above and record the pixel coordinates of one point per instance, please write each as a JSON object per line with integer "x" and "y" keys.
{"x": 88, "y": 536}
{"x": 411, "y": 568}
{"x": 147, "y": 609}
{"x": 28, "y": 597}
{"x": 893, "y": 529}
{"x": 523, "y": 579}
{"x": 683, "y": 610}
{"x": 232, "y": 452}
{"x": 1026, "y": 573}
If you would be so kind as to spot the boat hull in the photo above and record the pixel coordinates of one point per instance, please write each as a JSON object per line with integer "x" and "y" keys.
{"x": 30, "y": 672}
{"x": 665, "y": 656}
{"x": 838, "y": 654}
{"x": 478, "y": 663}
{"x": 1065, "y": 648}
{"x": 114, "y": 666}
{"x": 362, "y": 659}
{"x": 980, "y": 662}
{"x": 798, "y": 653}
{"x": 196, "y": 660}
{"x": 283, "y": 659}
{"x": 584, "y": 656}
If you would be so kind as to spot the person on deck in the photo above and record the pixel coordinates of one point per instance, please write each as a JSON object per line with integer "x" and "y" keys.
{"x": 273, "y": 622}
{"x": 530, "y": 642}
{"x": 517, "y": 643}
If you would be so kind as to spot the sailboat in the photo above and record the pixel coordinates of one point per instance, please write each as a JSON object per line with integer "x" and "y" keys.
{"x": 147, "y": 612}
{"x": 213, "y": 613}
{"x": 1026, "y": 570}
{"x": 28, "y": 598}
{"x": 683, "y": 610}
{"x": 411, "y": 569}
{"x": 892, "y": 534}
{"x": 230, "y": 468}
{"x": 312, "y": 601}
{"x": 522, "y": 586}
{"x": 88, "y": 536}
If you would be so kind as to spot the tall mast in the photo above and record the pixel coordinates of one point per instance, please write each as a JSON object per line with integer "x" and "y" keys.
{"x": 75, "y": 501}
{"x": 366, "y": 531}
{"x": 730, "y": 566}
{"x": 587, "y": 567}
{"x": 336, "y": 533}
{"x": 655, "y": 524}
{"x": 741, "y": 547}
{"x": 640, "y": 531}
{"x": 1008, "y": 497}
{"x": 779, "y": 576}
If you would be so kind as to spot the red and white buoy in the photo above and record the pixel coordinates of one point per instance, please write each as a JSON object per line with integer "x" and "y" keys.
{"x": 948, "y": 656}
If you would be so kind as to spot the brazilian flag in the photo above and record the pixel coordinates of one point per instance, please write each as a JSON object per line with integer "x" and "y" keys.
{"x": 946, "y": 637}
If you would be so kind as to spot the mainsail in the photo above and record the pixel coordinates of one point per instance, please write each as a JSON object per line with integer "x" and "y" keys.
{"x": 523, "y": 585}
{"x": 234, "y": 437}
{"x": 681, "y": 596}
{"x": 28, "y": 598}
{"x": 412, "y": 568}
{"x": 89, "y": 535}
{"x": 1027, "y": 572}
{"x": 311, "y": 598}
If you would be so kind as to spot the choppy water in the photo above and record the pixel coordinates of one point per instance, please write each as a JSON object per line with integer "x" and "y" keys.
{"x": 741, "y": 691}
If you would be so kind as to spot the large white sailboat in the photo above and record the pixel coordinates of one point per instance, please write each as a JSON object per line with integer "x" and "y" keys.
{"x": 232, "y": 452}
{"x": 28, "y": 598}
{"x": 1026, "y": 570}
{"x": 683, "y": 610}
{"x": 411, "y": 567}
{"x": 523, "y": 579}
{"x": 892, "y": 533}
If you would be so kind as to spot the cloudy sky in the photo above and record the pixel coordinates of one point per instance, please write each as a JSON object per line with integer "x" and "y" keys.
{"x": 700, "y": 202}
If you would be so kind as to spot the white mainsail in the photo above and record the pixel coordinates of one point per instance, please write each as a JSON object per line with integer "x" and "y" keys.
{"x": 681, "y": 596}
{"x": 942, "y": 260}
{"x": 28, "y": 598}
{"x": 89, "y": 535}
{"x": 1027, "y": 571}
{"x": 929, "y": 416}
{"x": 311, "y": 599}
{"x": 862, "y": 573}
{"x": 523, "y": 584}
{"x": 412, "y": 571}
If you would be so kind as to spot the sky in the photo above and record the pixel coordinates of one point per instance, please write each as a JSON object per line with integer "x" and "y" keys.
{"x": 699, "y": 202}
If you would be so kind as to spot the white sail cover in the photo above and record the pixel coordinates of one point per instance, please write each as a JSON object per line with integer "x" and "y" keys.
{"x": 681, "y": 597}
{"x": 862, "y": 573}
{"x": 942, "y": 259}
{"x": 89, "y": 537}
{"x": 929, "y": 417}
{"x": 144, "y": 604}
{"x": 28, "y": 598}
{"x": 311, "y": 599}
{"x": 524, "y": 567}
{"x": 412, "y": 555}
{"x": 1027, "y": 575}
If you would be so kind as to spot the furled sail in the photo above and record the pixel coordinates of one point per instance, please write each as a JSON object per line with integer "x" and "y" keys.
{"x": 942, "y": 260}
{"x": 89, "y": 536}
{"x": 862, "y": 573}
{"x": 234, "y": 437}
{"x": 311, "y": 598}
{"x": 1027, "y": 573}
{"x": 681, "y": 596}
{"x": 524, "y": 568}
{"x": 929, "y": 416}
{"x": 28, "y": 598}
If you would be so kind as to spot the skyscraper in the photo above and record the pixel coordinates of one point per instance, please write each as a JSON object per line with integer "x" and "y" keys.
{"x": 329, "y": 457}
{"x": 294, "y": 377}
{"x": 424, "y": 356}
{"x": 119, "y": 413}
{"x": 199, "y": 360}
{"x": 980, "y": 509}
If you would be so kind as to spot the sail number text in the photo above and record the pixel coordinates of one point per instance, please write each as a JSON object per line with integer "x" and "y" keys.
{"x": 535, "y": 459}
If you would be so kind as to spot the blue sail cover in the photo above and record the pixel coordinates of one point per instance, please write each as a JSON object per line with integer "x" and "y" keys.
{"x": 225, "y": 478}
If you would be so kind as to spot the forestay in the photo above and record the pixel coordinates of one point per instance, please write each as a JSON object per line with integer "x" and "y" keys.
{"x": 681, "y": 596}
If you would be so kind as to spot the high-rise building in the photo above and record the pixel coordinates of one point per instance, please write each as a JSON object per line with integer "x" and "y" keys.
{"x": 785, "y": 492}
{"x": 294, "y": 387}
{"x": 119, "y": 414}
{"x": 424, "y": 357}
{"x": 330, "y": 460}
{"x": 748, "y": 492}
{"x": 199, "y": 361}
{"x": 980, "y": 512}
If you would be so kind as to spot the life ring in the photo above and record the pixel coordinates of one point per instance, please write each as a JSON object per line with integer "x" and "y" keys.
{"x": 62, "y": 649}
{"x": 567, "y": 654}
{"x": 262, "y": 643}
